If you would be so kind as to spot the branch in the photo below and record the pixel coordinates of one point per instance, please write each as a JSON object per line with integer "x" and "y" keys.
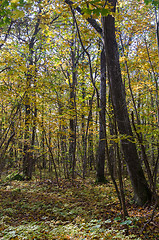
{"x": 88, "y": 55}
{"x": 151, "y": 219}
{"x": 6, "y": 68}
{"x": 6, "y": 36}
{"x": 92, "y": 21}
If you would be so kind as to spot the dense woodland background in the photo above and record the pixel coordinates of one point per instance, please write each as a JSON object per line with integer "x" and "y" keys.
{"x": 79, "y": 93}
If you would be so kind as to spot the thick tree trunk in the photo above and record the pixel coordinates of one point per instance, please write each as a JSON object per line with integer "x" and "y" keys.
{"x": 102, "y": 123}
{"x": 139, "y": 183}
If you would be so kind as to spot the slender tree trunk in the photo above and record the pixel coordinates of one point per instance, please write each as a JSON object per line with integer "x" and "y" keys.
{"x": 52, "y": 157}
{"x": 35, "y": 112}
{"x": 112, "y": 133}
{"x": 27, "y": 162}
{"x": 11, "y": 151}
{"x": 27, "y": 159}
{"x": 102, "y": 122}
{"x": 49, "y": 143}
{"x": 91, "y": 158}
{"x": 27, "y": 165}
{"x": 43, "y": 138}
{"x": 84, "y": 137}
{"x": 62, "y": 138}
{"x": 157, "y": 26}
{"x": 2, "y": 154}
{"x": 73, "y": 120}
{"x": 63, "y": 152}
{"x": 33, "y": 137}
{"x": 141, "y": 190}
{"x": 72, "y": 144}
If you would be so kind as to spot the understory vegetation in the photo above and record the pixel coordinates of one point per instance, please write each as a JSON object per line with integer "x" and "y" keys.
{"x": 79, "y": 209}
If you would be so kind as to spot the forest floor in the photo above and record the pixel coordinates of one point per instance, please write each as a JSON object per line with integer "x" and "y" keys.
{"x": 73, "y": 210}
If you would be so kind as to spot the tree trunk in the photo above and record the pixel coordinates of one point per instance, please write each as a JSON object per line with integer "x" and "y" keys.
{"x": 91, "y": 159}
{"x": 102, "y": 123}
{"x": 43, "y": 137}
{"x": 157, "y": 26}
{"x": 72, "y": 144}
{"x": 141, "y": 190}
{"x": 73, "y": 120}
{"x": 84, "y": 137}
{"x": 27, "y": 164}
{"x": 27, "y": 159}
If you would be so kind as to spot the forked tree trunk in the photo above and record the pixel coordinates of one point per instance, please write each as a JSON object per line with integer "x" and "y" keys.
{"x": 141, "y": 190}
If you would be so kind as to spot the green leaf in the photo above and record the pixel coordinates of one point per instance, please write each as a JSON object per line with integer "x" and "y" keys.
{"x": 105, "y": 12}
{"x": 96, "y": 11}
{"x": 154, "y": 2}
{"x": 117, "y": 219}
{"x": 126, "y": 222}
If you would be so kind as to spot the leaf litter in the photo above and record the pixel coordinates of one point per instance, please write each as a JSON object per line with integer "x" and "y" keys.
{"x": 82, "y": 210}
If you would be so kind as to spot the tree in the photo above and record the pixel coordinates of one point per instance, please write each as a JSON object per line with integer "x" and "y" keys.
{"x": 140, "y": 186}
{"x": 50, "y": 79}
{"x": 138, "y": 180}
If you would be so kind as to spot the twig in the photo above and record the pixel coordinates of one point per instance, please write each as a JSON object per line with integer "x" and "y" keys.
{"x": 151, "y": 219}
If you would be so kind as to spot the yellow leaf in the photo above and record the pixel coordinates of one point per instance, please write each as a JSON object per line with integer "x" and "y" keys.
{"x": 17, "y": 14}
{"x": 14, "y": 1}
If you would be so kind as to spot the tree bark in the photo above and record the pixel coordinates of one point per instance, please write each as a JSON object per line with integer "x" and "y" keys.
{"x": 157, "y": 26}
{"x": 102, "y": 122}
{"x": 73, "y": 119}
{"x": 91, "y": 159}
{"x": 27, "y": 159}
{"x": 141, "y": 189}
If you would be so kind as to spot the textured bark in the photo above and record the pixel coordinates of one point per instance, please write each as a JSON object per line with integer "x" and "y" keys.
{"x": 139, "y": 183}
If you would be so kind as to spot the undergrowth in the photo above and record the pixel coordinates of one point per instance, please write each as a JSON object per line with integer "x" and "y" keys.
{"x": 79, "y": 210}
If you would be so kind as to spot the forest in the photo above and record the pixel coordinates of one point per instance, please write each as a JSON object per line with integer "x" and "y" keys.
{"x": 79, "y": 119}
